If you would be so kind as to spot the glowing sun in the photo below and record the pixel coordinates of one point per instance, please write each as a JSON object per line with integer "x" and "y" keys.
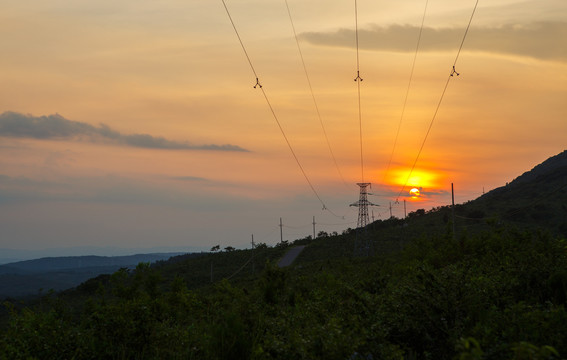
{"x": 414, "y": 192}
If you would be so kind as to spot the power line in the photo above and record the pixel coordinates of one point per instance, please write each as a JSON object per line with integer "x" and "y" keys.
{"x": 358, "y": 80}
{"x": 291, "y": 149}
{"x": 465, "y": 36}
{"x": 407, "y": 90}
{"x": 453, "y": 72}
{"x": 242, "y": 267}
{"x": 312, "y": 93}
{"x": 341, "y": 224}
{"x": 273, "y": 112}
{"x": 297, "y": 227}
{"x": 242, "y": 45}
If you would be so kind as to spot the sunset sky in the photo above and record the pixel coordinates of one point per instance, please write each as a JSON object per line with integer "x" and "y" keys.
{"x": 135, "y": 123}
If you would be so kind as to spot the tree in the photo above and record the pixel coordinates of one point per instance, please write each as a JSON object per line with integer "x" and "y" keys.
{"x": 261, "y": 245}
{"x": 282, "y": 244}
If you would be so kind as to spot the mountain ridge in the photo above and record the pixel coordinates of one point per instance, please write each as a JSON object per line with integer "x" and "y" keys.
{"x": 551, "y": 164}
{"x": 54, "y": 263}
{"x": 24, "y": 278}
{"x": 10, "y": 255}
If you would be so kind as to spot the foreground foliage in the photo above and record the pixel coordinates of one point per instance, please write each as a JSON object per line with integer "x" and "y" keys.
{"x": 498, "y": 295}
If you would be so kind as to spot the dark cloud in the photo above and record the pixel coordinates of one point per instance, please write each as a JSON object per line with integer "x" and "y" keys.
{"x": 541, "y": 40}
{"x": 190, "y": 178}
{"x": 56, "y": 127}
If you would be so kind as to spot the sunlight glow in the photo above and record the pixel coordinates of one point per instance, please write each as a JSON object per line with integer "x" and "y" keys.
{"x": 419, "y": 178}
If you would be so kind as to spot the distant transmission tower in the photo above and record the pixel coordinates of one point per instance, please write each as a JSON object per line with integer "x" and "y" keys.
{"x": 363, "y": 242}
{"x": 363, "y": 205}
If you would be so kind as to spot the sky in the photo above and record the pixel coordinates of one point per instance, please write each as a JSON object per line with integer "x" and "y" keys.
{"x": 136, "y": 124}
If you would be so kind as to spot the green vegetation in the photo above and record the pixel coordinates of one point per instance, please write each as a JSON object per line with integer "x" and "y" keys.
{"x": 497, "y": 295}
{"x": 497, "y": 289}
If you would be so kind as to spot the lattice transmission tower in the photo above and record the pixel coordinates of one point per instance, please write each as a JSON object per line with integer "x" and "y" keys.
{"x": 363, "y": 205}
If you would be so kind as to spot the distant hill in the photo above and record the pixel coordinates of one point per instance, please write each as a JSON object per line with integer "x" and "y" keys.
{"x": 25, "y": 278}
{"x": 8, "y": 255}
{"x": 555, "y": 164}
{"x": 78, "y": 262}
{"x": 537, "y": 198}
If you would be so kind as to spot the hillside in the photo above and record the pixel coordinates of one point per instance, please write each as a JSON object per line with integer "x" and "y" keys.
{"x": 496, "y": 290}
{"x": 537, "y": 198}
{"x": 77, "y": 262}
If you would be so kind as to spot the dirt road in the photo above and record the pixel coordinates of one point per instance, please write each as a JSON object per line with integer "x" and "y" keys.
{"x": 290, "y": 256}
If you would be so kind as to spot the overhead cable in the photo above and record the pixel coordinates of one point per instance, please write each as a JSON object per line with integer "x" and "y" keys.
{"x": 453, "y": 72}
{"x": 358, "y": 80}
{"x": 407, "y": 90}
{"x": 258, "y": 85}
{"x": 242, "y": 45}
{"x": 313, "y": 94}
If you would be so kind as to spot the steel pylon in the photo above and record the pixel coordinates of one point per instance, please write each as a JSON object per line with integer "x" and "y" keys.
{"x": 363, "y": 242}
{"x": 363, "y": 205}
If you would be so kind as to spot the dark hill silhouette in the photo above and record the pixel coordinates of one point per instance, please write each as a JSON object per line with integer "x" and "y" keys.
{"x": 78, "y": 262}
{"x": 537, "y": 198}
{"x": 555, "y": 164}
{"x": 28, "y": 277}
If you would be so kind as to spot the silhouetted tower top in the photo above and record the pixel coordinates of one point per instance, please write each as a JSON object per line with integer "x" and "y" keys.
{"x": 363, "y": 205}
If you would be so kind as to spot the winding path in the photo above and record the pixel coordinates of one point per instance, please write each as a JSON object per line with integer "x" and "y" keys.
{"x": 290, "y": 256}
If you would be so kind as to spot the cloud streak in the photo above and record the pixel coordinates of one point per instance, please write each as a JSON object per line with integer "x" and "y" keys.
{"x": 190, "y": 178}
{"x": 56, "y": 127}
{"x": 540, "y": 40}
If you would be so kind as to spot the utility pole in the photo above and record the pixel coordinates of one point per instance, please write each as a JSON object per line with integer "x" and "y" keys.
{"x": 390, "y": 209}
{"x": 313, "y": 227}
{"x": 281, "y": 230}
{"x": 405, "y": 214}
